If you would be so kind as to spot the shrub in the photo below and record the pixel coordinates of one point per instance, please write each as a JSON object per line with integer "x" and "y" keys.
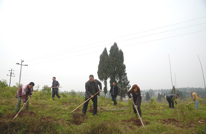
{"x": 3, "y": 84}
{"x": 153, "y": 103}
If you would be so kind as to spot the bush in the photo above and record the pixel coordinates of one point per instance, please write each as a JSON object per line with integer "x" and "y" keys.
{"x": 3, "y": 84}
{"x": 153, "y": 103}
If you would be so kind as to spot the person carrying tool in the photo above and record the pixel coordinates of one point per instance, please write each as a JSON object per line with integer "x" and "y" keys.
{"x": 136, "y": 98}
{"x": 91, "y": 87}
{"x": 22, "y": 94}
{"x": 195, "y": 99}
{"x": 171, "y": 99}
{"x": 55, "y": 86}
{"x": 114, "y": 92}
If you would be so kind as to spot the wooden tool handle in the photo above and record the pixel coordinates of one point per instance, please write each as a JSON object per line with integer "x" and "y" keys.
{"x": 85, "y": 102}
{"x": 20, "y": 110}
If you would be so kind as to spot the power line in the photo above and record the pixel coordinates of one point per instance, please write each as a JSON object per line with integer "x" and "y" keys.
{"x": 124, "y": 46}
{"x": 128, "y": 39}
{"x": 122, "y": 36}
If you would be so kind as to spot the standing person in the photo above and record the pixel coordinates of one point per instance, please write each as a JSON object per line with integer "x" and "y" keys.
{"x": 114, "y": 92}
{"x": 171, "y": 99}
{"x": 91, "y": 87}
{"x": 22, "y": 94}
{"x": 136, "y": 98}
{"x": 195, "y": 98}
{"x": 55, "y": 88}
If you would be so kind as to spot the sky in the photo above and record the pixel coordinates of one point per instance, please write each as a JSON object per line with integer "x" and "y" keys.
{"x": 65, "y": 39}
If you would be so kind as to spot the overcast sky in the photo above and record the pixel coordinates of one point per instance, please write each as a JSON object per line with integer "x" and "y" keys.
{"x": 65, "y": 39}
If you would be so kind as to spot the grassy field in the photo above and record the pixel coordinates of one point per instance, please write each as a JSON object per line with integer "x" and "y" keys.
{"x": 48, "y": 116}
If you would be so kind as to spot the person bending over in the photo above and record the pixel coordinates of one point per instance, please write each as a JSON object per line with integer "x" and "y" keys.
{"x": 136, "y": 98}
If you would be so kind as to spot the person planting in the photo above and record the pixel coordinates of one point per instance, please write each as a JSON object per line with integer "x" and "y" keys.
{"x": 195, "y": 99}
{"x": 22, "y": 94}
{"x": 55, "y": 86}
{"x": 91, "y": 87}
{"x": 114, "y": 92}
{"x": 136, "y": 98}
{"x": 171, "y": 99}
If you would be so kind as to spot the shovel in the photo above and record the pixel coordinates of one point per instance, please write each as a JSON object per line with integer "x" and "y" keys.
{"x": 85, "y": 102}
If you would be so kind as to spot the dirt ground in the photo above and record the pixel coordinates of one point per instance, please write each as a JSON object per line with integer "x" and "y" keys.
{"x": 78, "y": 119}
{"x": 21, "y": 114}
{"x": 136, "y": 122}
{"x": 183, "y": 124}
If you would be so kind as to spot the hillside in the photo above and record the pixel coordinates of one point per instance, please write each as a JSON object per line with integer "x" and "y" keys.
{"x": 48, "y": 116}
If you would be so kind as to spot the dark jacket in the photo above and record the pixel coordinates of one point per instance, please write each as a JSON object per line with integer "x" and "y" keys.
{"x": 136, "y": 98}
{"x": 115, "y": 90}
{"x": 55, "y": 84}
{"x": 172, "y": 97}
{"x": 88, "y": 89}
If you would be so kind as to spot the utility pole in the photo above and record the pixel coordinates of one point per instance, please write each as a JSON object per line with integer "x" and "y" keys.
{"x": 21, "y": 70}
{"x": 10, "y": 76}
{"x": 173, "y": 88}
{"x": 202, "y": 73}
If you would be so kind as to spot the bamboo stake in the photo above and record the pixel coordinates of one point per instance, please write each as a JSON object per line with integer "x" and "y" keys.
{"x": 137, "y": 112}
{"x": 20, "y": 110}
{"x": 85, "y": 101}
{"x": 202, "y": 73}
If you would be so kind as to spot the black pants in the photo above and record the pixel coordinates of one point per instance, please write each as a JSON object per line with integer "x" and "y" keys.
{"x": 94, "y": 99}
{"x": 138, "y": 107}
{"x": 171, "y": 103}
{"x": 114, "y": 99}
{"x": 55, "y": 92}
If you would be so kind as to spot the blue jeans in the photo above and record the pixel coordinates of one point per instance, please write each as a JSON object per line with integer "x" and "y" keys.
{"x": 196, "y": 104}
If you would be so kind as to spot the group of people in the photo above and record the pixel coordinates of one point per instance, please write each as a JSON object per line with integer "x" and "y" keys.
{"x": 93, "y": 87}
{"x": 172, "y": 98}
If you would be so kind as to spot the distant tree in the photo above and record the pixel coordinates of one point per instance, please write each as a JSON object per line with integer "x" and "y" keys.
{"x": 147, "y": 96}
{"x": 103, "y": 70}
{"x": 46, "y": 88}
{"x": 73, "y": 93}
{"x": 151, "y": 92}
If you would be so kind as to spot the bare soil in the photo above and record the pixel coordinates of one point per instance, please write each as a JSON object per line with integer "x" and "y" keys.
{"x": 136, "y": 122}
{"x": 21, "y": 114}
{"x": 78, "y": 118}
{"x": 181, "y": 124}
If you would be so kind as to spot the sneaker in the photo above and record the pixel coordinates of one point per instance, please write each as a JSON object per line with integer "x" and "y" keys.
{"x": 95, "y": 115}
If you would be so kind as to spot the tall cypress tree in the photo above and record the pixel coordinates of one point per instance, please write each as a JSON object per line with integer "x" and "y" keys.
{"x": 103, "y": 70}
{"x": 117, "y": 70}
{"x": 114, "y": 63}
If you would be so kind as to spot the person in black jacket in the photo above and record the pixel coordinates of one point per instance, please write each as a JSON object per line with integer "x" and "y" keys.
{"x": 136, "y": 98}
{"x": 55, "y": 88}
{"x": 92, "y": 87}
{"x": 114, "y": 92}
{"x": 171, "y": 99}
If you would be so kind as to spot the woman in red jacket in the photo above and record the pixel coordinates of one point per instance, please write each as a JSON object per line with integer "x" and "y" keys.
{"x": 136, "y": 98}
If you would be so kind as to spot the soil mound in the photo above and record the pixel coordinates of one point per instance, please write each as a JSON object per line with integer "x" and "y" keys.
{"x": 78, "y": 118}
{"x": 136, "y": 122}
